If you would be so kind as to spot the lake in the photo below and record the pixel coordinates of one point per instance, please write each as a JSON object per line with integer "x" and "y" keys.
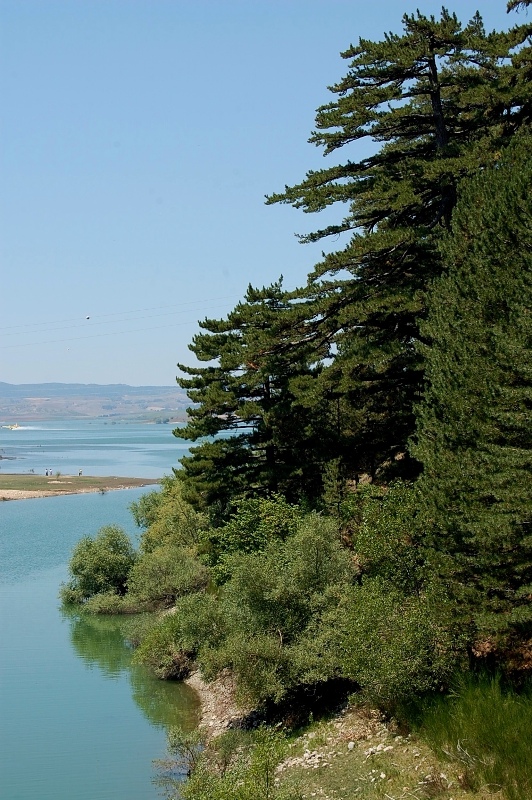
{"x": 77, "y": 719}
{"x": 97, "y": 447}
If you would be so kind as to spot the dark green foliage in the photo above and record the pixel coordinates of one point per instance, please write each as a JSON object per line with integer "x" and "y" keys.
{"x": 169, "y": 647}
{"x": 392, "y": 632}
{"x": 248, "y": 392}
{"x": 396, "y": 647}
{"x": 474, "y": 428}
{"x": 388, "y": 539}
{"x": 439, "y": 101}
{"x": 268, "y": 605}
{"x": 162, "y": 575}
{"x": 99, "y": 565}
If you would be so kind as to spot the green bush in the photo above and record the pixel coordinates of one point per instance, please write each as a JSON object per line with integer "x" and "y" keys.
{"x": 99, "y": 565}
{"x": 167, "y": 518}
{"x": 111, "y": 603}
{"x": 234, "y": 769}
{"x": 387, "y": 528}
{"x": 269, "y": 604}
{"x": 255, "y": 523}
{"x": 161, "y": 575}
{"x": 169, "y": 646}
{"x": 396, "y": 647}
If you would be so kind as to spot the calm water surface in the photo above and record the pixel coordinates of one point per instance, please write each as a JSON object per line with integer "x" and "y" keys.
{"x": 98, "y": 447}
{"x": 77, "y": 720}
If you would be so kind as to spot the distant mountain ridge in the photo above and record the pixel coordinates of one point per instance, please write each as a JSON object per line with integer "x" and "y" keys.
{"x": 65, "y": 389}
{"x": 34, "y": 401}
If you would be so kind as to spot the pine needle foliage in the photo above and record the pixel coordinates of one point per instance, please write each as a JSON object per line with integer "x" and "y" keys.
{"x": 438, "y": 101}
{"x": 475, "y": 423}
{"x": 247, "y": 391}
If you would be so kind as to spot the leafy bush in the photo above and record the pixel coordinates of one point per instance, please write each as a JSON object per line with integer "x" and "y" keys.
{"x": 161, "y": 575}
{"x": 387, "y": 528}
{"x": 396, "y": 647}
{"x": 167, "y": 518}
{"x": 269, "y": 603}
{"x": 111, "y": 603}
{"x": 255, "y": 523}
{"x": 233, "y": 768}
{"x": 169, "y": 646}
{"x": 99, "y": 566}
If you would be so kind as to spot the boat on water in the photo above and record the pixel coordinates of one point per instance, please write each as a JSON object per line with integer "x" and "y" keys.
{"x": 14, "y": 427}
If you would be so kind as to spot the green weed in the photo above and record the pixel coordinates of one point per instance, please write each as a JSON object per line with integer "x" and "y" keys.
{"x": 487, "y": 728}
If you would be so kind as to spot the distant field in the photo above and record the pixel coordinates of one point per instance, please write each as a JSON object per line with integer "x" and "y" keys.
{"x": 66, "y": 484}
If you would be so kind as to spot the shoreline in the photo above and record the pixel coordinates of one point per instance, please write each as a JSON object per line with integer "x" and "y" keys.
{"x": 27, "y": 487}
{"x": 218, "y": 709}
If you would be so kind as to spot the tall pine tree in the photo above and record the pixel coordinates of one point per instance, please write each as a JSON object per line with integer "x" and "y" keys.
{"x": 439, "y": 101}
{"x": 474, "y": 433}
{"x": 247, "y": 391}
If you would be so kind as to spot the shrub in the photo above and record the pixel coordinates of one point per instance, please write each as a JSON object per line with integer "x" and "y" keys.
{"x": 255, "y": 524}
{"x": 248, "y": 773}
{"x": 161, "y": 575}
{"x": 169, "y": 646}
{"x": 111, "y": 603}
{"x": 387, "y": 530}
{"x": 396, "y": 647}
{"x": 167, "y": 518}
{"x": 99, "y": 565}
{"x": 271, "y": 601}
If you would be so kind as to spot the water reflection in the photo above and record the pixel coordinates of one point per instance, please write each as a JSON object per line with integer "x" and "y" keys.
{"x": 101, "y": 642}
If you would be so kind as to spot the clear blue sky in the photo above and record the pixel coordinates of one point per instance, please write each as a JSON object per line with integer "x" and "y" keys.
{"x": 138, "y": 139}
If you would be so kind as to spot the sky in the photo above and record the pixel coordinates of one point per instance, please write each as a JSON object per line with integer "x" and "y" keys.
{"x": 138, "y": 139}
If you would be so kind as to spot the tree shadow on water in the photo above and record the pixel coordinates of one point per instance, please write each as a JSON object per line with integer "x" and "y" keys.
{"x": 102, "y": 642}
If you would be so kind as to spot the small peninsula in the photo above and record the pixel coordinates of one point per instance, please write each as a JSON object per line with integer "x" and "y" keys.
{"x": 24, "y": 487}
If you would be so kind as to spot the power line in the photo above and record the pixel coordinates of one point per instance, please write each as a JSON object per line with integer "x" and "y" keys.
{"x": 108, "y": 333}
{"x": 107, "y": 322}
{"x": 106, "y": 316}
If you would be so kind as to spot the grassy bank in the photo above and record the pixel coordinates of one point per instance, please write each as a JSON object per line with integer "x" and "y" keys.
{"x": 67, "y": 484}
{"x": 354, "y": 755}
{"x": 471, "y": 744}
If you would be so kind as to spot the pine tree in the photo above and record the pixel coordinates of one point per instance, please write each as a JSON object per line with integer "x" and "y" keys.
{"x": 275, "y": 444}
{"x": 518, "y": 3}
{"x": 439, "y": 102}
{"x": 474, "y": 433}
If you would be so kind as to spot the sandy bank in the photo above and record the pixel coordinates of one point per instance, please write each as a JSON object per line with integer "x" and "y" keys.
{"x": 17, "y": 487}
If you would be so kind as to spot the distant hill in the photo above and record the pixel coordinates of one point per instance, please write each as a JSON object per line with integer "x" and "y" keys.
{"x": 41, "y": 401}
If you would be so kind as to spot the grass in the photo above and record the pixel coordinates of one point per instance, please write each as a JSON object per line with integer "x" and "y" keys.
{"x": 62, "y": 484}
{"x": 359, "y": 757}
{"x": 486, "y": 729}
{"x": 472, "y": 744}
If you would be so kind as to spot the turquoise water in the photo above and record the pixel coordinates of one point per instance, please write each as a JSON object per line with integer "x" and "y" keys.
{"x": 77, "y": 720}
{"x": 97, "y": 447}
